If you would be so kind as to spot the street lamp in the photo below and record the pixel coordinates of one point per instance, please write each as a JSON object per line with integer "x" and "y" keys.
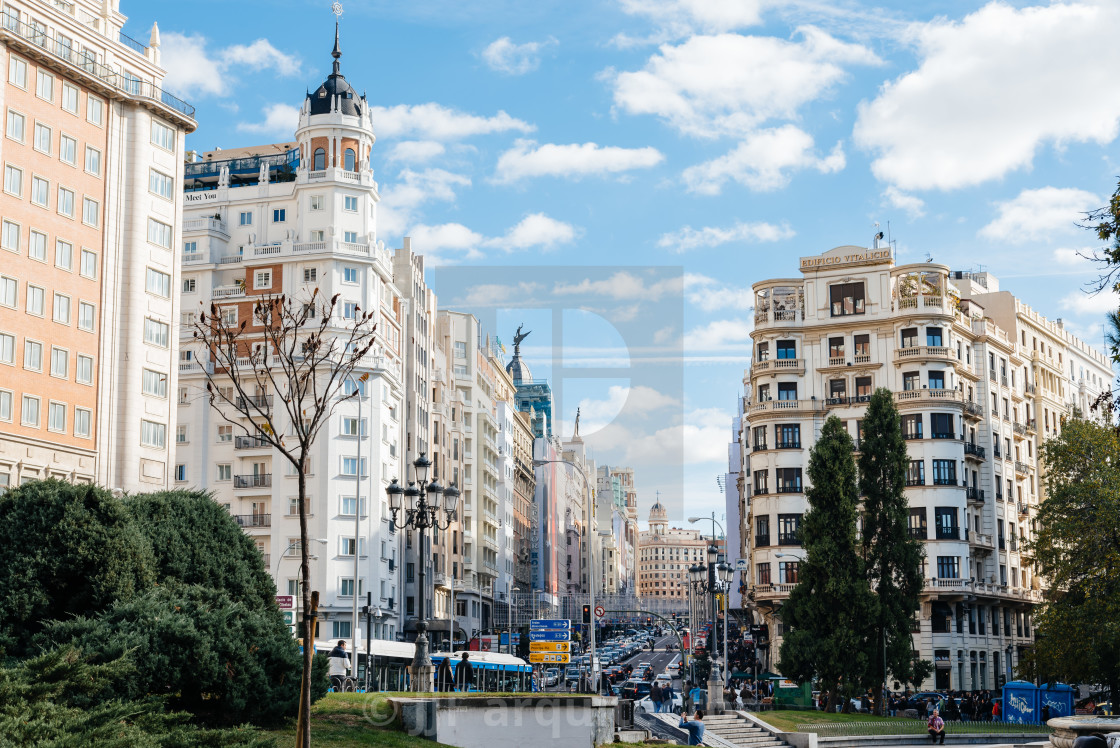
{"x": 712, "y": 578}
{"x": 726, "y": 574}
{"x": 422, "y": 503}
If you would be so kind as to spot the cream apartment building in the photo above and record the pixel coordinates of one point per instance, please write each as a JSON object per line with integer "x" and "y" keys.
{"x": 972, "y": 397}
{"x": 89, "y": 230}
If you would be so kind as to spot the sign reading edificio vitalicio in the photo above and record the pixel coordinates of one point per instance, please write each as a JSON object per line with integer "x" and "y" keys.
{"x": 846, "y": 256}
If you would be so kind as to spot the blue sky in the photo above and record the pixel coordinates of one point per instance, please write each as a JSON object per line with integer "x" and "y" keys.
{"x": 723, "y": 138}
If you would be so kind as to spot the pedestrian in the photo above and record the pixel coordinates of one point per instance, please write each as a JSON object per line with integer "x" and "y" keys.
{"x": 694, "y": 727}
{"x": 936, "y": 727}
{"x": 445, "y": 679}
{"x": 655, "y": 697}
{"x": 667, "y": 697}
{"x": 339, "y": 665}
{"x": 464, "y": 673}
{"x": 995, "y": 711}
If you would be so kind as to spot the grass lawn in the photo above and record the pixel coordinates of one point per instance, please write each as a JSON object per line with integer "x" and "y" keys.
{"x": 865, "y": 724}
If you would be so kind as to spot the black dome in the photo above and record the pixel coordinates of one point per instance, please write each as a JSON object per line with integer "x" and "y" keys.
{"x": 336, "y": 85}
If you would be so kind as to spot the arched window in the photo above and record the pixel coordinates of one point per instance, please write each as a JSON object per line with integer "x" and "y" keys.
{"x": 348, "y": 160}
{"x": 320, "y": 161}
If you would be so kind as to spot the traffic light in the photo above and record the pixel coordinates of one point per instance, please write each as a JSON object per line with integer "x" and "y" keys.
{"x": 587, "y": 614}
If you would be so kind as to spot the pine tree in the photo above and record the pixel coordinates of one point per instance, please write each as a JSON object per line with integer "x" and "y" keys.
{"x": 892, "y": 557}
{"x": 827, "y": 612}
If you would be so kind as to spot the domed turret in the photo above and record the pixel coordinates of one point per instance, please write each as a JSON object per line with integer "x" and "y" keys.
{"x": 336, "y": 89}
{"x": 658, "y": 518}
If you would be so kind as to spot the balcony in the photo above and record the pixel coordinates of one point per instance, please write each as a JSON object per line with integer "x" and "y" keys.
{"x": 1032, "y": 426}
{"x": 1030, "y": 389}
{"x": 945, "y": 481}
{"x": 918, "y": 533}
{"x": 837, "y": 401}
{"x": 1022, "y": 468}
{"x": 761, "y": 541}
{"x": 923, "y": 352}
{"x": 1020, "y": 429}
{"x": 259, "y": 480}
{"x": 911, "y": 482}
{"x": 770, "y": 591}
{"x": 948, "y": 533}
{"x": 775, "y": 365}
{"x": 980, "y": 541}
{"x": 791, "y": 444}
{"x": 1024, "y": 509}
{"x": 229, "y": 292}
{"x": 790, "y": 488}
{"x": 785, "y": 407}
{"x": 973, "y": 410}
{"x": 928, "y": 396}
{"x": 250, "y": 442}
{"x": 974, "y": 495}
{"x": 205, "y": 223}
{"x": 254, "y": 401}
{"x": 253, "y": 520}
{"x": 974, "y": 450}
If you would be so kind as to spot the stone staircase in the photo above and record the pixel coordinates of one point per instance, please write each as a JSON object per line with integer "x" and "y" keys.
{"x": 733, "y": 729}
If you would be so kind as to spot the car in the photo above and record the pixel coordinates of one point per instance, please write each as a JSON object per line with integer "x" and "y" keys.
{"x": 571, "y": 674}
{"x": 646, "y": 705}
{"x": 552, "y": 676}
{"x": 635, "y": 689}
{"x": 674, "y": 668}
{"x": 663, "y": 678}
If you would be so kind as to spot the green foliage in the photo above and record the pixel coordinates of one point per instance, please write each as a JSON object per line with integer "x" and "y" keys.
{"x": 1077, "y": 549}
{"x": 65, "y": 550}
{"x": 828, "y": 610}
{"x": 320, "y": 678}
{"x": 892, "y": 557}
{"x": 195, "y": 542}
{"x": 703, "y": 665}
{"x": 49, "y": 700}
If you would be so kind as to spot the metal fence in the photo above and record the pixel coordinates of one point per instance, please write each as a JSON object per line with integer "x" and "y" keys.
{"x": 840, "y": 729}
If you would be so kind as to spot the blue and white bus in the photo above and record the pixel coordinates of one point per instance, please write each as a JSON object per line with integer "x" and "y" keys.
{"x": 385, "y": 667}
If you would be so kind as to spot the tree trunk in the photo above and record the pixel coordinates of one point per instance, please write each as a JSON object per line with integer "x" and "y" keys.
{"x": 831, "y": 702}
{"x": 303, "y": 721}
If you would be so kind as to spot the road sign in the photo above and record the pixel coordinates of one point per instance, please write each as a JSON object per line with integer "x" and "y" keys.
{"x": 599, "y": 611}
{"x": 544, "y": 658}
{"x": 550, "y": 636}
{"x": 549, "y": 623}
{"x": 550, "y": 647}
{"x": 285, "y": 602}
{"x": 505, "y": 639}
{"x": 742, "y": 564}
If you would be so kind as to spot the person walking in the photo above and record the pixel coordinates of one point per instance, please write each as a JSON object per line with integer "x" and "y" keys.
{"x": 464, "y": 673}
{"x": 445, "y": 679}
{"x": 339, "y": 665}
{"x": 694, "y": 727}
{"x": 936, "y": 727}
{"x": 667, "y": 698}
{"x": 655, "y": 697}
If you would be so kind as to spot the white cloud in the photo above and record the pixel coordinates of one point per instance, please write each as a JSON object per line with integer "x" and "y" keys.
{"x": 700, "y": 438}
{"x": 705, "y": 15}
{"x": 536, "y": 230}
{"x": 631, "y": 402}
{"x": 514, "y": 59}
{"x": 279, "y": 119}
{"x": 992, "y": 89}
{"x": 527, "y": 159}
{"x": 721, "y": 335}
{"x": 688, "y": 238}
{"x": 622, "y": 286}
{"x": 1039, "y": 214}
{"x": 1081, "y": 302}
{"x": 1078, "y": 258}
{"x": 730, "y": 84}
{"x": 912, "y": 206}
{"x": 401, "y": 200}
{"x": 444, "y": 236}
{"x": 710, "y": 295}
{"x": 415, "y": 151}
{"x": 193, "y": 69}
{"x": 433, "y": 121}
{"x": 763, "y": 162}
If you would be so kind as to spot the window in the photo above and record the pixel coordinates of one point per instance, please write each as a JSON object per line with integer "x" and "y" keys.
{"x": 349, "y": 160}
{"x": 44, "y": 85}
{"x": 91, "y": 211}
{"x": 837, "y": 391}
{"x": 350, "y": 237}
{"x": 180, "y": 473}
{"x": 916, "y": 473}
{"x": 862, "y": 347}
{"x": 95, "y": 110}
{"x": 69, "y": 98}
{"x": 917, "y": 528}
{"x": 350, "y": 466}
{"x": 88, "y": 267}
{"x": 60, "y": 362}
{"x": 319, "y": 161}
{"x": 163, "y": 136}
{"x": 941, "y": 425}
{"x": 933, "y": 337}
{"x": 789, "y": 435}
{"x": 32, "y": 355}
{"x": 937, "y": 380}
{"x": 159, "y": 233}
{"x": 318, "y": 235}
{"x": 17, "y": 124}
{"x": 37, "y": 246}
{"x": 836, "y": 347}
{"x": 262, "y": 279}
{"x": 912, "y": 426}
{"x": 787, "y": 390}
{"x": 945, "y": 522}
{"x": 5, "y": 405}
{"x": 7, "y": 348}
{"x": 279, "y": 215}
{"x": 29, "y": 412}
{"x": 61, "y": 308}
{"x": 762, "y": 531}
{"x": 225, "y": 472}
{"x": 349, "y": 310}
{"x": 68, "y": 150}
{"x": 351, "y": 426}
{"x": 36, "y": 299}
{"x": 350, "y": 275}
{"x": 153, "y": 434}
{"x": 788, "y": 480}
{"x": 156, "y": 332}
{"x": 787, "y": 572}
{"x": 246, "y": 218}
{"x": 13, "y": 180}
{"x": 340, "y": 629}
{"x": 225, "y": 434}
{"x": 9, "y": 236}
{"x": 83, "y": 370}
{"x": 40, "y": 192}
{"x": 349, "y": 503}
{"x": 56, "y": 416}
{"x": 159, "y": 183}
{"x": 66, "y": 202}
{"x": 350, "y": 204}
{"x": 17, "y": 72}
{"x": 316, "y": 202}
{"x": 764, "y": 573}
{"x": 346, "y": 546}
{"x": 42, "y": 138}
{"x": 846, "y": 299}
{"x": 158, "y": 283}
{"x": 310, "y": 275}
{"x": 787, "y": 349}
{"x": 863, "y": 389}
{"x": 155, "y": 383}
{"x": 944, "y": 473}
{"x": 9, "y": 292}
{"x": 949, "y": 567}
{"x": 189, "y": 285}
{"x": 789, "y": 529}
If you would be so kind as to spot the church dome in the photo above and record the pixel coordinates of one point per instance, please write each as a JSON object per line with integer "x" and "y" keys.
{"x": 336, "y": 85}
{"x": 657, "y": 511}
{"x": 518, "y": 370}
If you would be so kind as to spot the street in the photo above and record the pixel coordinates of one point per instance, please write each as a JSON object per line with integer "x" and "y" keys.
{"x": 659, "y": 659}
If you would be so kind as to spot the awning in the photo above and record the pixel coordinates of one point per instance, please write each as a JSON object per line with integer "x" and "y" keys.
{"x": 437, "y": 625}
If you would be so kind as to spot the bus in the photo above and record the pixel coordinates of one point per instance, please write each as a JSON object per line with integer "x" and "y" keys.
{"x": 385, "y": 667}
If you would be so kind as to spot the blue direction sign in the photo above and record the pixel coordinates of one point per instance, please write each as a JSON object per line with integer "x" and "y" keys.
{"x": 550, "y": 636}
{"x": 550, "y": 623}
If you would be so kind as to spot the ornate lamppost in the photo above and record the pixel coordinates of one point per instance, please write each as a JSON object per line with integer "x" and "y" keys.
{"x": 422, "y": 503}
{"x": 709, "y": 578}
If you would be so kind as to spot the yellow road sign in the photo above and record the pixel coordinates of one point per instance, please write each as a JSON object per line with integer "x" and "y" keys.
{"x": 545, "y": 658}
{"x": 550, "y": 646}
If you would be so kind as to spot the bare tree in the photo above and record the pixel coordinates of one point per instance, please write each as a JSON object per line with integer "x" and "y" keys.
{"x": 298, "y": 355}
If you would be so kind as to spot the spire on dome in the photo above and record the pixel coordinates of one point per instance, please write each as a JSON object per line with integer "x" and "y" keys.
{"x": 336, "y": 53}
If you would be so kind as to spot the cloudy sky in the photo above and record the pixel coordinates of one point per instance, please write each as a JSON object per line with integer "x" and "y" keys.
{"x": 718, "y": 139}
